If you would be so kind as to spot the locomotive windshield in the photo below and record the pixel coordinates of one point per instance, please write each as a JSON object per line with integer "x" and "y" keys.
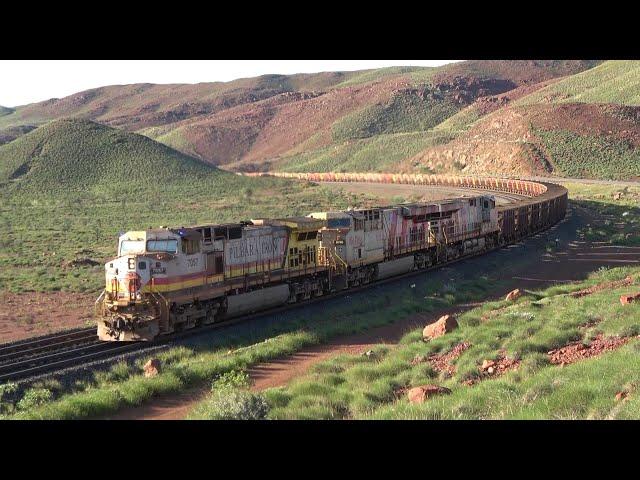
{"x": 131, "y": 246}
{"x": 169, "y": 246}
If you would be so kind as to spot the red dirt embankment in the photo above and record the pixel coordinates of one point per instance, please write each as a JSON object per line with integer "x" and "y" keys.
{"x": 25, "y": 315}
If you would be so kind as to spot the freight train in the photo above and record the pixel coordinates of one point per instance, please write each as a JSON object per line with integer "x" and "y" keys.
{"x": 170, "y": 279}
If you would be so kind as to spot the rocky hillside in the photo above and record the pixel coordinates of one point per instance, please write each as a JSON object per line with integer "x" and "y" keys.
{"x": 334, "y": 120}
{"x": 584, "y": 125}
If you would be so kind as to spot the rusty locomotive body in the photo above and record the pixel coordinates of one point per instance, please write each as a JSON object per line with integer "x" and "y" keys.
{"x": 169, "y": 279}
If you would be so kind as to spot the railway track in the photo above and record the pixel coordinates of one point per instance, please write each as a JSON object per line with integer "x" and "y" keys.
{"x": 32, "y": 354}
{"x": 57, "y": 352}
{"x": 54, "y": 353}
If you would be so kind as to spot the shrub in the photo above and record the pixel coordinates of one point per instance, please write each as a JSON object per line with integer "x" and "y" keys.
{"x": 230, "y": 380}
{"x": 34, "y": 397}
{"x": 7, "y": 389}
{"x": 229, "y": 404}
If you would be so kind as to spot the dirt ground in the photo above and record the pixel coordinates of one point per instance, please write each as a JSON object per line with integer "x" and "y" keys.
{"x": 573, "y": 260}
{"x": 25, "y": 315}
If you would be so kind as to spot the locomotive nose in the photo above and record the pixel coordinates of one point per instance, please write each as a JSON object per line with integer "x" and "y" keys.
{"x": 133, "y": 283}
{"x": 124, "y": 280}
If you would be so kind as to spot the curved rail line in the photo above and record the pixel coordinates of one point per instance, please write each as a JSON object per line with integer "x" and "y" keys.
{"x": 59, "y": 351}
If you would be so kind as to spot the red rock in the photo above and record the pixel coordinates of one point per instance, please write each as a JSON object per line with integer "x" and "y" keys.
{"x": 490, "y": 370}
{"x": 626, "y": 299}
{"x": 420, "y": 394}
{"x": 621, "y": 396}
{"x": 445, "y": 324}
{"x": 152, "y": 368}
{"x": 418, "y": 359}
{"x": 513, "y": 295}
{"x": 486, "y": 364}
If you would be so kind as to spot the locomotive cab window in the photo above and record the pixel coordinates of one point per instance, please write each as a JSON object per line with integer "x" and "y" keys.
{"x": 131, "y": 246}
{"x": 189, "y": 247}
{"x": 168, "y": 246}
{"x": 206, "y": 235}
{"x": 294, "y": 258}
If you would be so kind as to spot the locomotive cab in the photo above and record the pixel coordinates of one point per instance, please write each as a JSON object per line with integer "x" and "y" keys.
{"x": 134, "y": 281}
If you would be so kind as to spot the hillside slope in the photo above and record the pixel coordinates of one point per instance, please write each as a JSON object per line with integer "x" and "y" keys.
{"x": 68, "y": 187}
{"x": 259, "y": 123}
{"x": 611, "y": 82}
{"x": 79, "y": 154}
{"x": 584, "y": 125}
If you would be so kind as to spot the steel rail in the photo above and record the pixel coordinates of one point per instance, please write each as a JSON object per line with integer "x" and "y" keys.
{"x": 533, "y": 192}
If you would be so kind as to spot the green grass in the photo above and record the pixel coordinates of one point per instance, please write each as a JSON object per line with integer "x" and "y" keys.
{"x": 587, "y": 156}
{"x": 171, "y": 136}
{"x": 618, "y": 221}
{"x": 368, "y": 76}
{"x": 40, "y": 234}
{"x": 81, "y": 155}
{"x": 5, "y": 111}
{"x": 403, "y": 113}
{"x": 363, "y": 387}
{"x": 219, "y": 358}
{"x": 380, "y": 153}
{"x": 459, "y": 122}
{"x": 611, "y": 82}
{"x": 9, "y": 134}
{"x": 78, "y": 184}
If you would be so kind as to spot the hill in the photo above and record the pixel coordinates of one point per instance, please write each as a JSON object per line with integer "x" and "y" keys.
{"x": 257, "y": 123}
{"x": 79, "y": 154}
{"x": 584, "y": 125}
{"x": 9, "y": 134}
{"x": 569, "y": 118}
{"x": 611, "y": 82}
{"x": 68, "y": 187}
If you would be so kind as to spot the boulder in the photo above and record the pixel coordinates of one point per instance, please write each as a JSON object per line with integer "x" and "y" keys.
{"x": 420, "y": 394}
{"x": 445, "y": 324}
{"x": 626, "y": 299}
{"x": 513, "y": 295}
{"x": 621, "y": 396}
{"x": 487, "y": 364}
{"x": 151, "y": 368}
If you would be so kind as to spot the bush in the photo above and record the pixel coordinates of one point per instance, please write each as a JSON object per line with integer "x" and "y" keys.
{"x": 230, "y": 380}
{"x": 34, "y": 397}
{"x": 229, "y": 404}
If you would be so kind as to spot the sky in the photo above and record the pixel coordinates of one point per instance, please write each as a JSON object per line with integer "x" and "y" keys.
{"x": 29, "y": 81}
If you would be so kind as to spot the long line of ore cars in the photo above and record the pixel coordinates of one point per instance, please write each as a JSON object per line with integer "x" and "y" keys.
{"x": 169, "y": 279}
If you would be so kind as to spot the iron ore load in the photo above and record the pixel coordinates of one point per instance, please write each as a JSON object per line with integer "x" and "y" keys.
{"x": 170, "y": 279}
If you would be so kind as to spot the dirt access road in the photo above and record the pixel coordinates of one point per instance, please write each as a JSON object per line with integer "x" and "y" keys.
{"x": 527, "y": 265}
